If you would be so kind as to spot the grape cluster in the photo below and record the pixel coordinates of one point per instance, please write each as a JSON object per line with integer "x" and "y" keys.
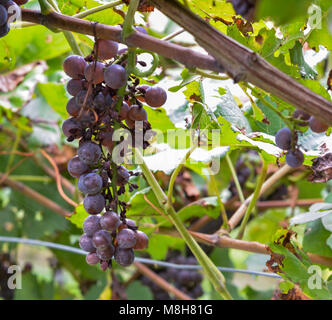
{"x": 187, "y": 281}
{"x": 97, "y": 110}
{"x": 9, "y": 10}
{"x": 287, "y": 140}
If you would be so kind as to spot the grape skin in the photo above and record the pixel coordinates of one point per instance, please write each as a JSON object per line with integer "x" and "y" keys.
{"x": 155, "y": 96}
{"x": 294, "y": 158}
{"x": 124, "y": 111}
{"x": 74, "y": 86}
{"x": 86, "y": 243}
{"x": 94, "y": 72}
{"x": 137, "y": 113}
{"x": 72, "y": 128}
{"x": 92, "y": 258}
{"x": 142, "y": 241}
{"x": 3, "y": 15}
{"x": 126, "y": 239}
{"x": 284, "y": 139}
{"x": 110, "y": 221}
{"x": 74, "y": 66}
{"x": 102, "y": 239}
{"x": 89, "y": 152}
{"x": 124, "y": 257}
{"x": 91, "y": 225}
{"x": 90, "y": 183}
{"x": 317, "y": 126}
{"x": 115, "y": 76}
{"x": 72, "y": 108}
{"x": 107, "y": 49}
{"x": 76, "y": 167}
{"x": 105, "y": 254}
{"x": 94, "y": 204}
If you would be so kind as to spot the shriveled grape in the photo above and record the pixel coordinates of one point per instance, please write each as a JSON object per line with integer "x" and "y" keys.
{"x": 106, "y": 254}
{"x": 124, "y": 257}
{"x": 72, "y": 128}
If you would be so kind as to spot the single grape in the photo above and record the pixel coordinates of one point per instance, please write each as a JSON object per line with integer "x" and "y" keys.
{"x": 124, "y": 111}
{"x": 142, "y": 241}
{"x": 102, "y": 239}
{"x": 126, "y": 238}
{"x": 110, "y": 221}
{"x": 81, "y": 97}
{"x": 90, "y": 183}
{"x": 115, "y": 76}
{"x": 94, "y": 204}
{"x": 137, "y": 113}
{"x": 124, "y": 257}
{"x": 92, "y": 258}
{"x": 155, "y": 96}
{"x": 72, "y": 128}
{"x": 74, "y": 66}
{"x": 99, "y": 102}
{"x": 105, "y": 254}
{"x": 294, "y": 158}
{"x": 107, "y": 49}
{"x": 107, "y": 139}
{"x": 91, "y": 225}
{"x": 89, "y": 152}
{"x": 86, "y": 243}
{"x": 284, "y": 139}
{"x": 94, "y": 72}
{"x": 72, "y": 108}
{"x": 74, "y": 86}
{"x": 122, "y": 175}
{"x": 317, "y": 126}
{"x": 76, "y": 167}
{"x": 4, "y": 29}
{"x": 3, "y": 15}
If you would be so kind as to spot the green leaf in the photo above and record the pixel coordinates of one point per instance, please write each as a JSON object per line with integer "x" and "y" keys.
{"x": 79, "y": 216}
{"x": 137, "y": 291}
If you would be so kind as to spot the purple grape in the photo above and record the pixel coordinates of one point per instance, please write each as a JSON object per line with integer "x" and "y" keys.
{"x": 107, "y": 49}
{"x": 76, "y": 167}
{"x": 92, "y": 258}
{"x": 90, "y": 183}
{"x": 94, "y": 72}
{"x": 124, "y": 111}
{"x": 110, "y": 221}
{"x": 142, "y": 241}
{"x": 72, "y": 128}
{"x": 105, "y": 254}
{"x": 74, "y": 66}
{"x": 74, "y": 86}
{"x": 137, "y": 113}
{"x": 99, "y": 102}
{"x": 102, "y": 239}
{"x": 80, "y": 98}
{"x": 3, "y": 15}
{"x": 94, "y": 204}
{"x": 124, "y": 257}
{"x": 317, "y": 126}
{"x": 284, "y": 139}
{"x": 155, "y": 96}
{"x": 294, "y": 158}
{"x": 91, "y": 225}
{"x": 4, "y": 29}
{"x": 115, "y": 76}
{"x": 86, "y": 243}
{"x": 89, "y": 152}
{"x": 72, "y": 108}
{"x": 126, "y": 238}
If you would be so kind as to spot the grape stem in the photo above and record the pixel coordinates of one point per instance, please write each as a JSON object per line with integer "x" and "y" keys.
{"x": 235, "y": 177}
{"x": 127, "y": 28}
{"x": 214, "y": 275}
{"x": 86, "y": 13}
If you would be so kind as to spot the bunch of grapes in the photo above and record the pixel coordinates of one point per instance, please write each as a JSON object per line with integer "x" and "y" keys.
{"x": 287, "y": 140}
{"x": 97, "y": 110}
{"x": 9, "y": 10}
{"x": 187, "y": 281}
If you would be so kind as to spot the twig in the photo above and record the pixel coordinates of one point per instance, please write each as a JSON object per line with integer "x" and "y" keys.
{"x": 46, "y": 202}
{"x": 173, "y": 35}
{"x": 88, "y": 12}
{"x": 160, "y": 281}
{"x": 57, "y": 179}
{"x": 235, "y": 178}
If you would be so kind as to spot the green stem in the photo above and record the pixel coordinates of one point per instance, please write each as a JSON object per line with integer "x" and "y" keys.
{"x": 154, "y": 65}
{"x": 235, "y": 178}
{"x": 210, "y": 270}
{"x": 176, "y": 172}
{"x": 221, "y": 204}
{"x": 254, "y": 199}
{"x": 86, "y": 13}
{"x": 127, "y": 28}
{"x": 14, "y": 148}
{"x": 209, "y": 75}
